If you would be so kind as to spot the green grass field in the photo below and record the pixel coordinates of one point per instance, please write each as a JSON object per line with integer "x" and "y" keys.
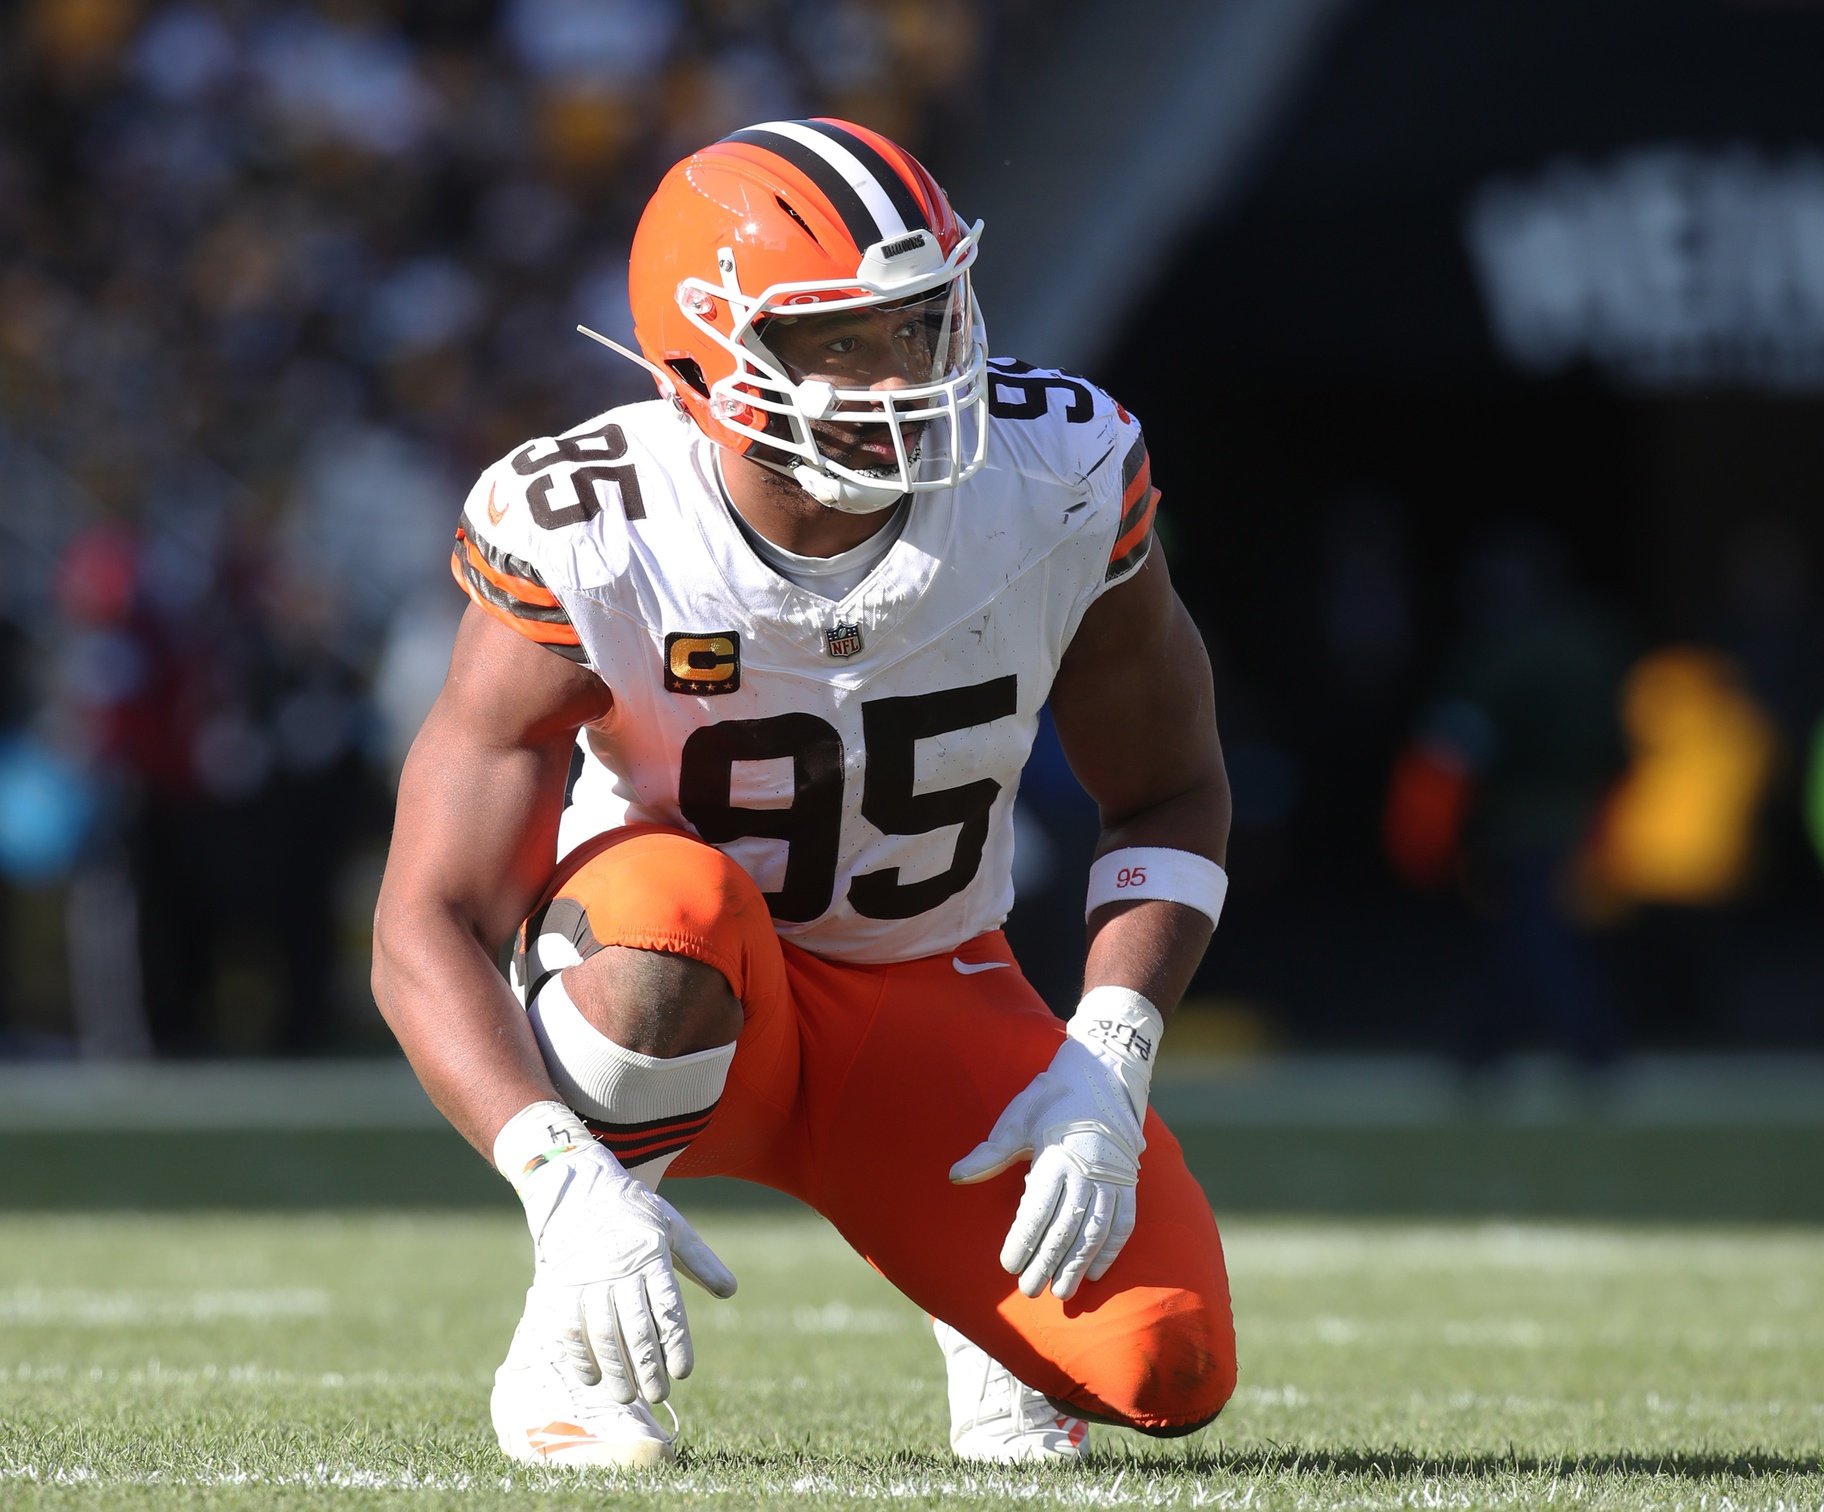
{"x": 344, "y": 1362}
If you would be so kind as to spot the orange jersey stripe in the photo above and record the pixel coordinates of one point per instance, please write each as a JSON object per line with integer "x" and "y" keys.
{"x": 1138, "y": 531}
{"x": 545, "y": 632}
{"x": 520, "y": 588}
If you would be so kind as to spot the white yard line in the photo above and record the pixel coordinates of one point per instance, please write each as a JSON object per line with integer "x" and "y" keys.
{"x": 1285, "y": 1248}
{"x": 1290, "y": 1398}
{"x": 1124, "y": 1488}
{"x": 831, "y": 1318}
{"x": 1529, "y": 1334}
{"x": 45, "y": 1307}
{"x": 1128, "y": 1487}
{"x": 156, "y": 1373}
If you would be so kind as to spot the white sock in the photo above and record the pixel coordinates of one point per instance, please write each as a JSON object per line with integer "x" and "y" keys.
{"x": 645, "y": 1109}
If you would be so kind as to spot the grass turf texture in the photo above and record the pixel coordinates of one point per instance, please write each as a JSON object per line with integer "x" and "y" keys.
{"x": 282, "y": 1361}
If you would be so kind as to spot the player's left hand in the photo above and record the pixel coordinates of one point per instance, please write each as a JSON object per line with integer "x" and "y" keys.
{"x": 1077, "y": 1124}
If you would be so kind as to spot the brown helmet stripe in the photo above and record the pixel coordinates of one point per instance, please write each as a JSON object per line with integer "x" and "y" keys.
{"x": 868, "y": 194}
{"x": 854, "y": 215}
{"x": 885, "y": 174}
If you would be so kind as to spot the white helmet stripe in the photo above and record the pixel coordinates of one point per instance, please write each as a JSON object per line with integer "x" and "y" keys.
{"x": 887, "y": 219}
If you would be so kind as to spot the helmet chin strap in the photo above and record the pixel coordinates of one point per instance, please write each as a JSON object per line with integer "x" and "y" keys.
{"x": 845, "y": 494}
{"x": 817, "y": 399}
{"x": 840, "y": 494}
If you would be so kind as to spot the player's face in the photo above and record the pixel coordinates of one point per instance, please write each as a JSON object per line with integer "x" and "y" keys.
{"x": 879, "y": 349}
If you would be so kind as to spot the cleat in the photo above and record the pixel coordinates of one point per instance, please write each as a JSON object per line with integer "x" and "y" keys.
{"x": 544, "y": 1415}
{"x": 994, "y": 1419}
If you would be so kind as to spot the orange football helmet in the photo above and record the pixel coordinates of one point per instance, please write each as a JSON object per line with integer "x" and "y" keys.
{"x": 779, "y": 219}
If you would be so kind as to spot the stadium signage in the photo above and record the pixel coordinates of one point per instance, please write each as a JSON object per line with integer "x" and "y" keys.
{"x": 1662, "y": 267}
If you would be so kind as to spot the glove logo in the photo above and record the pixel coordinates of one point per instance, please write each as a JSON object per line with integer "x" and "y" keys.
{"x": 1124, "y": 1039}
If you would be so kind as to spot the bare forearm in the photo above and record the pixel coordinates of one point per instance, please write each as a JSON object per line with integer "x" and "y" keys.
{"x": 458, "y": 1023}
{"x": 1150, "y": 947}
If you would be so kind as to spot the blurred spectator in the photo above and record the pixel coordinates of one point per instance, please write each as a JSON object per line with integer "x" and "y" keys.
{"x": 1681, "y": 845}
{"x": 278, "y": 279}
{"x": 1501, "y": 790}
{"x": 1680, "y": 828}
{"x": 215, "y": 708}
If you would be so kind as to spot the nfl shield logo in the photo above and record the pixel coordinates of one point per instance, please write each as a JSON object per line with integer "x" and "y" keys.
{"x": 845, "y": 640}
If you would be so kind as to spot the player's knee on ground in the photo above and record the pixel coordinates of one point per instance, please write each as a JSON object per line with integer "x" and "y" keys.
{"x": 1164, "y": 1365}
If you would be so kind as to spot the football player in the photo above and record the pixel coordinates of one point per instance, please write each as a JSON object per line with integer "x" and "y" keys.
{"x": 762, "y": 660}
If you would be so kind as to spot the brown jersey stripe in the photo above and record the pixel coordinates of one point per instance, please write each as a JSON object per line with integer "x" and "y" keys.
{"x": 539, "y": 601}
{"x": 561, "y": 637}
{"x": 1136, "y": 525}
{"x": 1132, "y": 463}
{"x": 535, "y": 596}
{"x": 1124, "y": 565}
{"x": 508, "y": 571}
{"x": 1131, "y": 550}
{"x": 481, "y": 585}
{"x": 1134, "y": 497}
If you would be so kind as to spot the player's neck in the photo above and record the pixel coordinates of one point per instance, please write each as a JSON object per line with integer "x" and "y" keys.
{"x": 787, "y": 516}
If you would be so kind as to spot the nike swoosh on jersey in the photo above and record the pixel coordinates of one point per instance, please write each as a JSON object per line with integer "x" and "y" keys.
{"x": 495, "y": 515}
{"x": 970, "y": 968}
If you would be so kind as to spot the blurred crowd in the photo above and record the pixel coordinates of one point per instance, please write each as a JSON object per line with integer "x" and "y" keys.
{"x": 1621, "y": 813}
{"x": 276, "y": 280}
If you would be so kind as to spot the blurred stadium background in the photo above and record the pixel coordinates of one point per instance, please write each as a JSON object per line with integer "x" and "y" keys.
{"x": 1481, "y": 352}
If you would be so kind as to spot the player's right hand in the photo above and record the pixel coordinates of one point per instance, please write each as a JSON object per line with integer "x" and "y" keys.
{"x": 617, "y": 1246}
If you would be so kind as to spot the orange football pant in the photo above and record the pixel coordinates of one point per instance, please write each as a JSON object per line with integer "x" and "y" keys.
{"x": 854, "y": 1088}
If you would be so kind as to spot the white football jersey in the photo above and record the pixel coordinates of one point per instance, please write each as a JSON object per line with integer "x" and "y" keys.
{"x": 858, "y": 757}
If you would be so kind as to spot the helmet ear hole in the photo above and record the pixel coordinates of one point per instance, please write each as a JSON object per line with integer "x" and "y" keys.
{"x": 691, "y": 371}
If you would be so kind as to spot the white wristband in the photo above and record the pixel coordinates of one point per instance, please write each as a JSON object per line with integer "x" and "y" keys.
{"x": 533, "y": 1136}
{"x": 1153, "y": 871}
{"x": 1123, "y": 1030}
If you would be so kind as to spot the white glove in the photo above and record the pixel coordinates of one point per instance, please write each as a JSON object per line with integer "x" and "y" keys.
{"x": 1079, "y": 1122}
{"x": 614, "y": 1244}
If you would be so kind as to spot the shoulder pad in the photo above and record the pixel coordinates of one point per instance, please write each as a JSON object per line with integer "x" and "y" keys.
{"x": 531, "y": 516}
{"x": 1073, "y": 431}
{"x": 550, "y": 486}
{"x": 505, "y": 585}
